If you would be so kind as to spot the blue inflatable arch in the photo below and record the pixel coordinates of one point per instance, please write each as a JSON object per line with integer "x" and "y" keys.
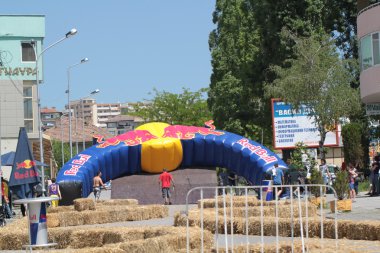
{"x": 245, "y": 157}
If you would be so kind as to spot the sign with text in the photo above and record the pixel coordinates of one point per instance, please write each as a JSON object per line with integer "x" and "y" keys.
{"x": 291, "y": 126}
{"x": 372, "y": 109}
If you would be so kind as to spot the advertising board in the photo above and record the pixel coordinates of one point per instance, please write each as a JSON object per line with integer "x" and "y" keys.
{"x": 291, "y": 126}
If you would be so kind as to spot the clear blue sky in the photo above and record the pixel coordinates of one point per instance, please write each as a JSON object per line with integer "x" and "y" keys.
{"x": 132, "y": 46}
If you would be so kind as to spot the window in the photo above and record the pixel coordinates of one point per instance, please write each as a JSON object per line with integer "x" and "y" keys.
{"x": 28, "y": 108}
{"x": 366, "y": 52}
{"x": 376, "y": 48}
{"x": 27, "y": 52}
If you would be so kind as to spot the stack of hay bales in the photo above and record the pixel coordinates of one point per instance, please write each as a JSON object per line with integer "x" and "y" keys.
{"x": 355, "y": 230}
{"x": 116, "y": 239}
{"x": 86, "y": 212}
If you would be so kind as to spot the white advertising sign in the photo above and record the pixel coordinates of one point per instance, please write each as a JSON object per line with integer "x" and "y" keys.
{"x": 291, "y": 126}
{"x": 372, "y": 109}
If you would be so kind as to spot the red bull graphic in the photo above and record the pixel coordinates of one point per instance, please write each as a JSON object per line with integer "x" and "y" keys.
{"x": 25, "y": 172}
{"x": 26, "y": 164}
{"x": 188, "y": 132}
{"x": 258, "y": 150}
{"x": 77, "y": 164}
{"x": 131, "y": 138}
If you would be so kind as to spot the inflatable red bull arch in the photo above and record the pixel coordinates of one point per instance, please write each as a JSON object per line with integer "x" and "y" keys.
{"x": 154, "y": 146}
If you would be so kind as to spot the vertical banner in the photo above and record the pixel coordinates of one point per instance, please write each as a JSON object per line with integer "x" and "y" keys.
{"x": 37, "y": 221}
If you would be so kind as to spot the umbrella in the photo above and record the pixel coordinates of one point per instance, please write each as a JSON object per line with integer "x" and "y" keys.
{"x": 24, "y": 175}
{"x": 8, "y": 158}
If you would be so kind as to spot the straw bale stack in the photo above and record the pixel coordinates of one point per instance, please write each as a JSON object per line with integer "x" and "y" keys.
{"x": 240, "y": 201}
{"x": 312, "y": 245}
{"x": 365, "y": 230}
{"x": 117, "y": 202}
{"x": 60, "y": 209}
{"x": 147, "y": 239}
{"x": 84, "y": 204}
{"x": 107, "y": 215}
{"x": 284, "y": 211}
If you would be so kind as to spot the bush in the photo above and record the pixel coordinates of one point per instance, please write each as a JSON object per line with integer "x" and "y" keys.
{"x": 316, "y": 178}
{"x": 341, "y": 185}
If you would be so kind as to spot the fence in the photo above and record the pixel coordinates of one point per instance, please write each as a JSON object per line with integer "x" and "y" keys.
{"x": 224, "y": 205}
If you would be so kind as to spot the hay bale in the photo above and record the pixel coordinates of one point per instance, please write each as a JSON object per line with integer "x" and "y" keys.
{"x": 59, "y": 209}
{"x": 284, "y": 211}
{"x": 84, "y": 204}
{"x": 52, "y": 220}
{"x": 117, "y": 202}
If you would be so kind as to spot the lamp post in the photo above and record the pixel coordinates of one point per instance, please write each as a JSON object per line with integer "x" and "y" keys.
{"x": 69, "y": 34}
{"x": 91, "y": 94}
{"x": 63, "y": 153}
{"x": 68, "y": 101}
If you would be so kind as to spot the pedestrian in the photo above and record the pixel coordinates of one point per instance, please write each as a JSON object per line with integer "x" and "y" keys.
{"x": 165, "y": 181}
{"x": 5, "y": 199}
{"x": 54, "y": 192}
{"x": 232, "y": 178}
{"x": 222, "y": 180}
{"x": 375, "y": 179}
{"x": 352, "y": 175}
{"x": 326, "y": 176}
{"x": 97, "y": 184}
{"x": 278, "y": 179}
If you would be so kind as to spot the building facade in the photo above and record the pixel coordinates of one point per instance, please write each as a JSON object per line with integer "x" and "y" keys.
{"x": 107, "y": 111}
{"x": 122, "y": 123}
{"x": 368, "y": 22}
{"x": 85, "y": 109}
{"x": 49, "y": 117}
{"x": 21, "y": 36}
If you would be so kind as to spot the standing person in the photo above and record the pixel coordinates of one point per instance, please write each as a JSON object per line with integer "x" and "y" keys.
{"x": 326, "y": 176}
{"x": 352, "y": 175}
{"x": 53, "y": 191}
{"x": 375, "y": 179}
{"x": 5, "y": 199}
{"x": 232, "y": 178}
{"x": 97, "y": 183}
{"x": 165, "y": 180}
{"x": 278, "y": 178}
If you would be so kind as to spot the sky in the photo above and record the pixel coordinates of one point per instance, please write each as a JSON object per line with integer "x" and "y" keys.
{"x": 133, "y": 46}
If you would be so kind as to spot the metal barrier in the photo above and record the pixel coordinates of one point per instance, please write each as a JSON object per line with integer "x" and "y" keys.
{"x": 259, "y": 190}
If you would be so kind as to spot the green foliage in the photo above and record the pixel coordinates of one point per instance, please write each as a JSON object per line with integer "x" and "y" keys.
{"x": 352, "y": 143}
{"x": 247, "y": 40}
{"x": 296, "y": 156}
{"x": 57, "y": 152}
{"x": 341, "y": 184}
{"x": 186, "y": 108}
{"x": 318, "y": 79}
{"x": 316, "y": 178}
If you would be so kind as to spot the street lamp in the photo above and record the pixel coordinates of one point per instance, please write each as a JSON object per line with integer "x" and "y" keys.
{"x": 68, "y": 101}
{"x": 63, "y": 153}
{"x": 69, "y": 34}
{"x": 91, "y": 94}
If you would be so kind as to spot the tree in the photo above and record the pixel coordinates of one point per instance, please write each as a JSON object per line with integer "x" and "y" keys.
{"x": 186, "y": 108}
{"x": 247, "y": 41}
{"x": 352, "y": 147}
{"x": 234, "y": 45}
{"x": 57, "y": 152}
{"x": 319, "y": 79}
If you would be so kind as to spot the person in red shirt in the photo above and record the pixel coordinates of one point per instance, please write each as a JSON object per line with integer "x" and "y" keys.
{"x": 165, "y": 181}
